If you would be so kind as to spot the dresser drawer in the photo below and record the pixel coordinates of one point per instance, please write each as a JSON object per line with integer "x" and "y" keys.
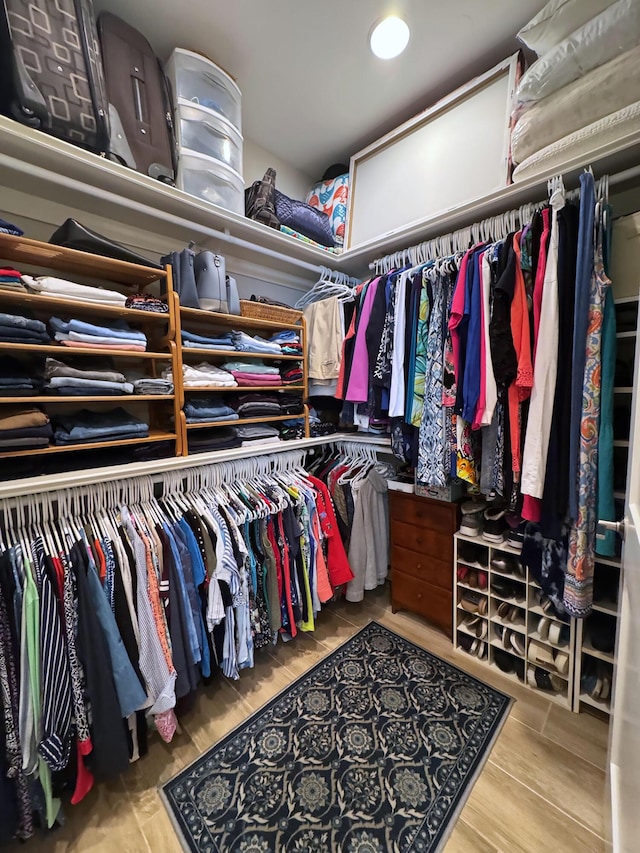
{"x": 423, "y": 540}
{"x": 418, "y": 596}
{"x": 436, "y": 572}
{"x": 423, "y": 512}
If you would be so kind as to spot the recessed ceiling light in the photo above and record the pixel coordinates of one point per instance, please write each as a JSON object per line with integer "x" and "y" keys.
{"x": 389, "y": 38}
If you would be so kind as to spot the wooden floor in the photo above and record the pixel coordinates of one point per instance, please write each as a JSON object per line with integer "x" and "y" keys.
{"x": 543, "y": 789}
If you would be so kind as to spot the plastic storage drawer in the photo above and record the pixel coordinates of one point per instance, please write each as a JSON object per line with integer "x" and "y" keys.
{"x": 211, "y": 180}
{"x": 200, "y": 81}
{"x": 202, "y": 131}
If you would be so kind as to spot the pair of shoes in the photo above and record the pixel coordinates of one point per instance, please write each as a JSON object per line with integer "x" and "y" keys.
{"x": 476, "y": 648}
{"x": 472, "y": 517}
{"x": 543, "y": 680}
{"x": 503, "y": 587}
{"x": 472, "y": 554}
{"x": 547, "y": 605}
{"x": 515, "y": 536}
{"x": 473, "y": 602}
{"x": 472, "y": 577}
{"x": 601, "y": 630}
{"x": 495, "y": 525}
{"x": 596, "y": 679}
{"x": 512, "y": 641}
{"x": 546, "y": 656}
{"x": 476, "y": 624}
{"x": 506, "y": 662}
{"x": 508, "y": 565}
{"x": 509, "y": 612}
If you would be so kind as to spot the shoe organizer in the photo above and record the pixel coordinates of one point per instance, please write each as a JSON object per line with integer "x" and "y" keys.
{"x": 199, "y": 80}
{"x": 203, "y": 133}
{"x": 211, "y": 181}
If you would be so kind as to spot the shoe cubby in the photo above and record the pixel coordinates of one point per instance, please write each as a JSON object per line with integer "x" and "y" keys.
{"x": 516, "y": 611}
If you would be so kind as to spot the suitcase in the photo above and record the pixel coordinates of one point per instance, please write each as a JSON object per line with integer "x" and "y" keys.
{"x": 140, "y": 114}
{"x": 51, "y": 70}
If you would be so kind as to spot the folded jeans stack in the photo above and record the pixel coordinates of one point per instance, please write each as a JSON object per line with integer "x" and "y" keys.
{"x": 10, "y": 279}
{"x": 86, "y": 426}
{"x": 70, "y": 381}
{"x": 215, "y": 342}
{"x": 200, "y": 410}
{"x": 146, "y": 302}
{"x": 16, "y": 329}
{"x": 206, "y": 440}
{"x": 256, "y": 344}
{"x": 82, "y": 335}
{"x": 24, "y": 429}
{"x": 203, "y": 376}
{"x": 69, "y": 290}
{"x": 19, "y": 378}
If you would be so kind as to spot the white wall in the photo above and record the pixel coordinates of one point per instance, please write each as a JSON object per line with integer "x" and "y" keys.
{"x": 289, "y": 180}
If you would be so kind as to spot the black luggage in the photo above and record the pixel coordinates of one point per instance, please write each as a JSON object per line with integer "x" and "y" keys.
{"x": 142, "y": 134}
{"x": 51, "y": 70}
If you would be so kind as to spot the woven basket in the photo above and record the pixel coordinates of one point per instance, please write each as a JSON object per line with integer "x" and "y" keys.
{"x": 272, "y": 313}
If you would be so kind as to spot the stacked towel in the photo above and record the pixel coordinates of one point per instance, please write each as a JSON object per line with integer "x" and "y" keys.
{"x": 86, "y": 426}
{"x": 200, "y": 410}
{"x": 24, "y": 429}
{"x": 19, "y": 378}
{"x": 82, "y": 335}
{"x": 203, "y": 376}
{"x": 61, "y": 289}
{"x": 16, "y": 329}
{"x": 215, "y": 342}
{"x": 246, "y": 343}
{"x": 10, "y": 280}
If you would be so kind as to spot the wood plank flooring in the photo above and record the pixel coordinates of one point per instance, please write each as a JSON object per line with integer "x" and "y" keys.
{"x": 543, "y": 787}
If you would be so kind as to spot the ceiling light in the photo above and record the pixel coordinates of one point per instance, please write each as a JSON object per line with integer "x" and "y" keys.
{"x": 389, "y": 38}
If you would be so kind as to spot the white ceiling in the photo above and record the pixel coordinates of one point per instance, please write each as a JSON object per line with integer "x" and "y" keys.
{"x": 312, "y": 92}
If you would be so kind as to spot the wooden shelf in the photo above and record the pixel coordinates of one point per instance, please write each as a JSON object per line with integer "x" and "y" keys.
{"x": 242, "y": 421}
{"x": 588, "y": 649}
{"x": 58, "y": 349}
{"x": 234, "y": 321}
{"x": 93, "y": 445}
{"x": 236, "y": 354}
{"x": 224, "y": 388}
{"x": 93, "y": 398}
{"x": 55, "y": 305}
{"x": 603, "y": 705}
{"x": 22, "y": 250}
{"x": 606, "y": 606}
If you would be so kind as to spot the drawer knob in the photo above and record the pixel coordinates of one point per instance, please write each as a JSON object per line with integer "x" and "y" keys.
{"x": 418, "y": 565}
{"x": 419, "y": 540}
{"x": 419, "y": 596}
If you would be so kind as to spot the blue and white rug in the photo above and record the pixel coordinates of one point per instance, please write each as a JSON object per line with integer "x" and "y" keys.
{"x": 374, "y": 750}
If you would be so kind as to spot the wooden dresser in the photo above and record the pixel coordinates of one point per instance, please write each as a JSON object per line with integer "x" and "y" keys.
{"x": 422, "y": 556}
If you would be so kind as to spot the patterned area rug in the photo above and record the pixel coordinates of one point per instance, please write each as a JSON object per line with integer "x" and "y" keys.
{"x": 374, "y": 750}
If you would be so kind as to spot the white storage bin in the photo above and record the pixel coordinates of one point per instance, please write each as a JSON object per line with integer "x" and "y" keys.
{"x": 200, "y": 81}
{"x": 210, "y": 180}
{"x": 202, "y": 131}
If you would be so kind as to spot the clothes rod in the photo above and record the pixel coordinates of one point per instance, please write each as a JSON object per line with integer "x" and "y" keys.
{"x": 55, "y": 482}
{"x": 202, "y": 230}
{"x": 617, "y": 178}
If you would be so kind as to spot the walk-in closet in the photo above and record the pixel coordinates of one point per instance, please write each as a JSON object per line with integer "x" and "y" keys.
{"x": 319, "y": 491}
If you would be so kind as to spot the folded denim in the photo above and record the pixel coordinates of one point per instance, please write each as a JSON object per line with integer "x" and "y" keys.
{"x": 12, "y": 334}
{"x": 206, "y": 339}
{"x": 62, "y": 438}
{"x": 246, "y": 343}
{"x": 287, "y": 335}
{"x": 90, "y": 384}
{"x": 63, "y": 289}
{"x": 250, "y": 367}
{"x": 16, "y": 321}
{"x": 43, "y": 431}
{"x": 86, "y": 424}
{"x": 207, "y": 419}
{"x": 119, "y": 329}
{"x": 256, "y": 410}
{"x": 202, "y": 407}
{"x": 74, "y": 391}
{"x": 212, "y": 347}
{"x": 91, "y": 340}
{"x": 53, "y": 368}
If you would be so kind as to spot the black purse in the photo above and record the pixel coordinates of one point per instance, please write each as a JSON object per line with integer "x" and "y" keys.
{"x": 72, "y": 235}
{"x": 309, "y": 221}
{"x": 260, "y": 200}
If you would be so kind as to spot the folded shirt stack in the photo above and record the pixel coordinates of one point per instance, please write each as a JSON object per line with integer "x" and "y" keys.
{"x": 291, "y": 375}
{"x": 61, "y": 289}
{"x": 202, "y": 376}
{"x": 199, "y": 410}
{"x": 206, "y": 440}
{"x": 217, "y": 342}
{"x": 71, "y": 381}
{"x": 256, "y": 344}
{"x": 289, "y": 342}
{"x": 147, "y": 385}
{"x": 291, "y": 404}
{"x": 81, "y": 335}
{"x": 251, "y": 367}
{"x": 19, "y": 378}
{"x": 257, "y": 380}
{"x": 86, "y": 426}
{"x": 258, "y": 405}
{"x": 258, "y": 433}
{"x": 146, "y": 302}
{"x": 10, "y": 279}
{"x": 16, "y": 329}
{"x": 24, "y": 428}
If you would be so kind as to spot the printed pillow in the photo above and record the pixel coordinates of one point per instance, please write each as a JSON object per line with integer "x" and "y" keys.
{"x": 331, "y": 197}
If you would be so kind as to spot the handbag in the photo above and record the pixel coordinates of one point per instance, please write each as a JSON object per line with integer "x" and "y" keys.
{"x": 260, "y": 200}
{"x": 233, "y": 300}
{"x": 184, "y": 280}
{"x": 72, "y": 235}
{"x": 210, "y": 270}
{"x": 301, "y": 217}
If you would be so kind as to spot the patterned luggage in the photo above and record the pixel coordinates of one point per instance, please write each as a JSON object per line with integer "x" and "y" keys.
{"x": 51, "y": 70}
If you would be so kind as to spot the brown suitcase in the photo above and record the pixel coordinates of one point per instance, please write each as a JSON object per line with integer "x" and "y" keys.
{"x": 142, "y": 131}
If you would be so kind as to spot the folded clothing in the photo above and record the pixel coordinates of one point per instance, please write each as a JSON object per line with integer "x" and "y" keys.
{"x": 146, "y": 302}
{"x": 246, "y": 343}
{"x": 62, "y": 289}
{"x": 244, "y": 378}
{"x": 19, "y": 329}
{"x": 221, "y": 438}
{"x": 10, "y": 228}
{"x": 117, "y": 333}
{"x": 203, "y": 375}
{"x": 99, "y": 369}
{"x": 85, "y": 426}
{"x": 152, "y": 386}
{"x": 11, "y": 279}
{"x": 248, "y": 442}
{"x": 255, "y": 432}
{"x": 291, "y": 404}
{"x": 23, "y": 429}
{"x": 201, "y": 409}
{"x": 291, "y": 375}
{"x": 20, "y": 378}
{"x": 286, "y": 336}
{"x": 251, "y": 367}
{"x": 19, "y": 417}
{"x": 222, "y": 341}
{"x": 72, "y": 385}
